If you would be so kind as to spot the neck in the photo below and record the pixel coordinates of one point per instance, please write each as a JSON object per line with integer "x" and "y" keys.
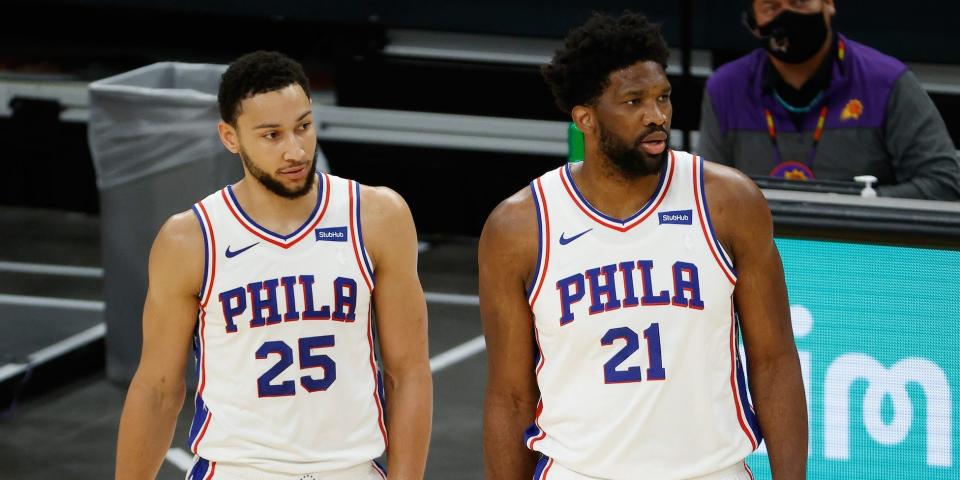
{"x": 797, "y": 74}
{"x": 609, "y": 191}
{"x": 278, "y": 214}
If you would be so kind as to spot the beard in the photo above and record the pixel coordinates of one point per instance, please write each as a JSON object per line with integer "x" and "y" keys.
{"x": 629, "y": 159}
{"x": 274, "y": 185}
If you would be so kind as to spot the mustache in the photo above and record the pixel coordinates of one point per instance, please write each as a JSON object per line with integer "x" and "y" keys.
{"x": 296, "y": 164}
{"x": 648, "y": 131}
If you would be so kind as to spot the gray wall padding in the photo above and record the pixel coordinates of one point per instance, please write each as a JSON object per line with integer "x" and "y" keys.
{"x": 156, "y": 151}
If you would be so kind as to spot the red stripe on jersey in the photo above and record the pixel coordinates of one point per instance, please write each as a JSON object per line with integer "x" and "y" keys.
{"x": 737, "y": 404}
{"x": 543, "y": 359}
{"x": 290, "y": 243}
{"x": 203, "y": 353}
{"x": 536, "y": 421}
{"x": 206, "y": 423}
{"x": 355, "y": 242}
{"x": 213, "y": 257}
{"x": 373, "y": 367}
{"x": 547, "y": 470}
{"x": 203, "y": 315}
{"x": 606, "y": 223}
{"x": 546, "y": 243}
{"x": 703, "y": 221}
{"x": 536, "y": 418}
{"x": 202, "y": 382}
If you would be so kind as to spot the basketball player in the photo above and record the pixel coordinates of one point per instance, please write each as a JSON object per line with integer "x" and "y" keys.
{"x": 610, "y": 292}
{"x": 282, "y": 267}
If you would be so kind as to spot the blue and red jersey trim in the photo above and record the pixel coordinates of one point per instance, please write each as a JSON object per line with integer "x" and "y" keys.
{"x": 620, "y": 225}
{"x": 199, "y": 427}
{"x": 377, "y": 393}
{"x": 202, "y": 415}
{"x": 535, "y": 432}
{"x": 209, "y": 253}
{"x": 706, "y": 224}
{"x": 380, "y": 470}
{"x": 543, "y": 241}
{"x": 542, "y": 468}
{"x": 202, "y": 469}
{"x": 356, "y": 236}
{"x": 283, "y": 241}
{"x": 745, "y": 414}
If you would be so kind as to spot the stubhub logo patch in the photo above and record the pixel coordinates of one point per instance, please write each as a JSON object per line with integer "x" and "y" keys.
{"x": 677, "y": 217}
{"x": 331, "y": 234}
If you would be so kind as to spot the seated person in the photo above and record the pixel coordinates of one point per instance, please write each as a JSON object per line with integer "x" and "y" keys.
{"x": 813, "y": 104}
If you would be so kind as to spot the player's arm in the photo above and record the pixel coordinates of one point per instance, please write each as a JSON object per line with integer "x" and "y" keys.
{"x": 156, "y": 392}
{"x": 508, "y": 251}
{"x": 401, "y": 310}
{"x": 745, "y": 226}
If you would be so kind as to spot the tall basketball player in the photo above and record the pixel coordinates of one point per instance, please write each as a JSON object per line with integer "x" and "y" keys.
{"x": 613, "y": 293}
{"x": 286, "y": 268}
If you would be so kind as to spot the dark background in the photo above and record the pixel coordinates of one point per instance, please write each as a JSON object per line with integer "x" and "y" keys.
{"x": 341, "y": 42}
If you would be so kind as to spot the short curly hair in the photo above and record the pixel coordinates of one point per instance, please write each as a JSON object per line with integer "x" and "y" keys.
{"x": 256, "y": 73}
{"x": 580, "y": 70}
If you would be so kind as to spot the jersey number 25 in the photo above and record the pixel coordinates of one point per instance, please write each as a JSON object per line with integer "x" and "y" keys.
{"x": 305, "y": 346}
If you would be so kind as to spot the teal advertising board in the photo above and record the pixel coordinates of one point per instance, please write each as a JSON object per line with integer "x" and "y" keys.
{"x": 878, "y": 333}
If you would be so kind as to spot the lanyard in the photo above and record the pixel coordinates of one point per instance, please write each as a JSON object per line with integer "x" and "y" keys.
{"x": 772, "y": 130}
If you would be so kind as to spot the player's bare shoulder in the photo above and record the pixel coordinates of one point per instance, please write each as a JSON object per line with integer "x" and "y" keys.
{"x": 510, "y": 234}
{"x": 729, "y": 191}
{"x": 382, "y": 203}
{"x": 737, "y": 206}
{"x": 181, "y": 232}
{"x": 177, "y": 254}
{"x": 513, "y": 222}
{"x": 385, "y": 220}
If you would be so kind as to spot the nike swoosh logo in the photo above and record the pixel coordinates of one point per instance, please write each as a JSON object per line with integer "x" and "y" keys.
{"x": 564, "y": 241}
{"x": 234, "y": 253}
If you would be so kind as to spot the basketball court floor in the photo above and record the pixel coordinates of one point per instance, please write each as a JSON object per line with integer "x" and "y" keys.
{"x": 51, "y": 304}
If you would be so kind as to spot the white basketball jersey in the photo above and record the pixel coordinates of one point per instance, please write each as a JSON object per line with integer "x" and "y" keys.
{"x": 287, "y": 380}
{"x": 637, "y": 365}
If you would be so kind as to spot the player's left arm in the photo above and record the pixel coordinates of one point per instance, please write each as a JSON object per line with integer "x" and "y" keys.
{"x": 401, "y": 313}
{"x": 744, "y": 225}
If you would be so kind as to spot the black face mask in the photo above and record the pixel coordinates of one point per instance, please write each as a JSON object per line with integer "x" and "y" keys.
{"x": 794, "y": 37}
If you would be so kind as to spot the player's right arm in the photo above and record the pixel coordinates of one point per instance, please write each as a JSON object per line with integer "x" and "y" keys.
{"x": 507, "y": 256}
{"x": 156, "y": 392}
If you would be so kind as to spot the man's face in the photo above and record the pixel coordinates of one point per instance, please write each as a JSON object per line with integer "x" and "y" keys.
{"x": 277, "y": 140}
{"x": 766, "y": 10}
{"x": 633, "y": 117}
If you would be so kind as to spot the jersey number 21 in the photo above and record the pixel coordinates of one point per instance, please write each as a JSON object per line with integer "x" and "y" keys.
{"x": 611, "y": 371}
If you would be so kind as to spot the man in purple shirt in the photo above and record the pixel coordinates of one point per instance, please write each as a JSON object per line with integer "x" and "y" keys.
{"x": 813, "y": 104}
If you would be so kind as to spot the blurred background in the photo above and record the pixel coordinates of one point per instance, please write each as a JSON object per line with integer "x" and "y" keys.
{"x": 443, "y": 102}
